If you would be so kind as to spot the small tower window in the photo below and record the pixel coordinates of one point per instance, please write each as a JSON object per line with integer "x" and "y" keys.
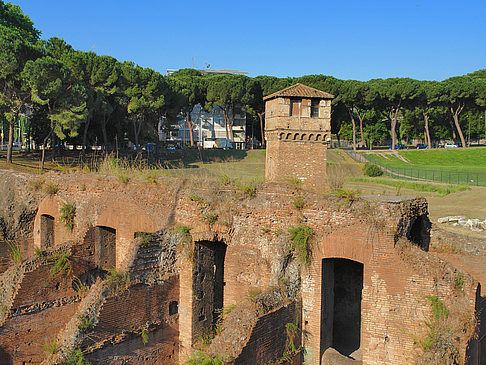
{"x": 315, "y": 109}
{"x": 295, "y": 107}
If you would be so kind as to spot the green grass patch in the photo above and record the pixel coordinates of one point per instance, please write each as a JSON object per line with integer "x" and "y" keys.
{"x": 440, "y": 189}
{"x": 464, "y": 160}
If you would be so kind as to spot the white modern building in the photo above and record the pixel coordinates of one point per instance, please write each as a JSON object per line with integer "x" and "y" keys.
{"x": 207, "y": 128}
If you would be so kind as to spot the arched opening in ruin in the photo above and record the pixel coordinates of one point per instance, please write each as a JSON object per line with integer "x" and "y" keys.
{"x": 105, "y": 247}
{"x": 207, "y": 286}
{"x": 419, "y": 232}
{"x": 47, "y": 231}
{"x": 342, "y": 284}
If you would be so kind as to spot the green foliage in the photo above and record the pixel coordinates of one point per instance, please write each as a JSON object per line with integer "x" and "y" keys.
{"x": 68, "y": 212}
{"x": 85, "y": 324}
{"x": 292, "y": 331}
{"x": 76, "y": 357}
{"x": 298, "y": 202}
{"x": 210, "y": 217}
{"x": 50, "y": 188}
{"x": 144, "y": 237}
{"x": 196, "y": 198}
{"x": 440, "y": 189}
{"x": 123, "y": 178}
{"x": 50, "y": 347}
{"x": 203, "y": 358}
{"x": 372, "y": 170}
{"x": 249, "y": 189}
{"x": 226, "y": 180}
{"x": 15, "y": 251}
{"x": 145, "y": 336}
{"x": 266, "y": 230}
{"x": 222, "y": 315}
{"x": 79, "y": 287}
{"x": 459, "y": 281}
{"x": 253, "y": 293}
{"x": 345, "y": 194}
{"x": 39, "y": 252}
{"x": 119, "y": 279}
{"x": 36, "y": 184}
{"x": 61, "y": 264}
{"x": 300, "y": 238}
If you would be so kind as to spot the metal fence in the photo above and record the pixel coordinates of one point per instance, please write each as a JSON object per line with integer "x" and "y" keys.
{"x": 443, "y": 176}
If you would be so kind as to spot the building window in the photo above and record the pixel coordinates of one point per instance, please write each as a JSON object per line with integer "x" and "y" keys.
{"x": 315, "y": 109}
{"x": 295, "y": 107}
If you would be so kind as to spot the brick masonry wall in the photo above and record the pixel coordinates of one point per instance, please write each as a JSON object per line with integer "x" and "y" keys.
{"x": 255, "y": 232}
{"x": 305, "y": 161}
{"x": 141, "y": 306}
{"x": 269, "y": 340}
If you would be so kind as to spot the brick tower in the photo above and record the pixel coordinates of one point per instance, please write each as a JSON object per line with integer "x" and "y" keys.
{"x": 297, "y": 129}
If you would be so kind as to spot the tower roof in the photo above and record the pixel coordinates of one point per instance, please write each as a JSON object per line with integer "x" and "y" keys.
{"x": 300, "y": 91}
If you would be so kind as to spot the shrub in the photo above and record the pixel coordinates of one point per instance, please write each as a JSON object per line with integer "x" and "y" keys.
{"x": 372, "y": 170}
{"x": 203, "y": 358}
{"x": 15, "y": 251}
{"x": 210, "y": 217}
{"x": 62, "y": 265}
{"x": 68, "y": 212}
{"x": 145, "y": 337}
{"x": 76, "y": 357}
{"x": 85, "y": 325}
{"x": 50, "y": 188}
{"x": 36, "y": 184}
{"x": 298, "y": 202}
{"x": 50, "y": 347}
{"x": 300, "y": 241}
{"x": 120, "y": 279}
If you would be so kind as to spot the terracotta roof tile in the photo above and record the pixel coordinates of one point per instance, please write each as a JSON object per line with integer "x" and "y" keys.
{"x": 300, "y": 90}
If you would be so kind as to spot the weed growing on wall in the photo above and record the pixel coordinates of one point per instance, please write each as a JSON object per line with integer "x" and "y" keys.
{"x": 298, "y": 202}
{"x": 210, "y": 217}
{"x": 300, "y": 238}
{"x": 439, "y": 341}
{"x": 222, "y": 315}
{"x": 50, "y": 188}
{"x": 76, "y": 357}
{"x": 85, "y": 324}
{"x": 15, "y": 251}
{"x": 79, "y": 287}
{"x": 203, "y": 358}
{"x": 145, "y": 336}
{"x": 50, "y": 347}
{"x": 61, "y": 264}
{"x": 68, "y": 212}
{"x": 347, "y": 196}
{"x": 119, "y": 279}
{"x": 36, "y": 184}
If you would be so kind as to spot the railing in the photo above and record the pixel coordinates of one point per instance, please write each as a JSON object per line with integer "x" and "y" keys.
{"x": 443, "y": 176}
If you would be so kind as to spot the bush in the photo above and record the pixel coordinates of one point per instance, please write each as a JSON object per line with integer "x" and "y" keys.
{"x": 68, "y": 212}
{"x": 300, "y": 241}
{"x": 372, "y": 170}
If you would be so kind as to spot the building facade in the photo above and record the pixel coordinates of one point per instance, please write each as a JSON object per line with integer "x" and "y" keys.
{"x": 207, "y": 127}
{"x": 297, "y": 130}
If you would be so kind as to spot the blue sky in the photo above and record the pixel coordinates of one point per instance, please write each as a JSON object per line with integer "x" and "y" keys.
{"x": 422, "y": 39}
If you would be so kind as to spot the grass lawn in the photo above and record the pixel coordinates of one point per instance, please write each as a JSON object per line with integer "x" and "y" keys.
{"x": 445, "y": 159}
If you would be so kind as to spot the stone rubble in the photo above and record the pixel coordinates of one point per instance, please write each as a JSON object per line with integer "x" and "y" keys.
{"x": 473, "y": 224}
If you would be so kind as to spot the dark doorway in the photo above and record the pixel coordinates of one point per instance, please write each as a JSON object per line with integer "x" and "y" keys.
{"x": 105, "y": 247}
{"x": 342, "y": 284}
{"x": 208, "y": 286}
{"x": 47, "y": 231}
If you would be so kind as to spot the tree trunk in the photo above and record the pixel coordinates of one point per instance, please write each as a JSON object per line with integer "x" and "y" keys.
{"x": 135, "y": 132}
{"x": 85, "y": 136}
{"x": 393, "y": 120}
{"x": 10, "y": 140}
{"x": 427, "y": 133}
{"x": 260, "y": 116}
{"x": 351, "y": 115}
{"x": 44, "y": 143}
{"x": 455, "y": 116}
{"x": 361, "y": 117}
{"x": 189, "y": 126}
{"x": 103, "y": 131}
{"x": 226, "y": 122}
